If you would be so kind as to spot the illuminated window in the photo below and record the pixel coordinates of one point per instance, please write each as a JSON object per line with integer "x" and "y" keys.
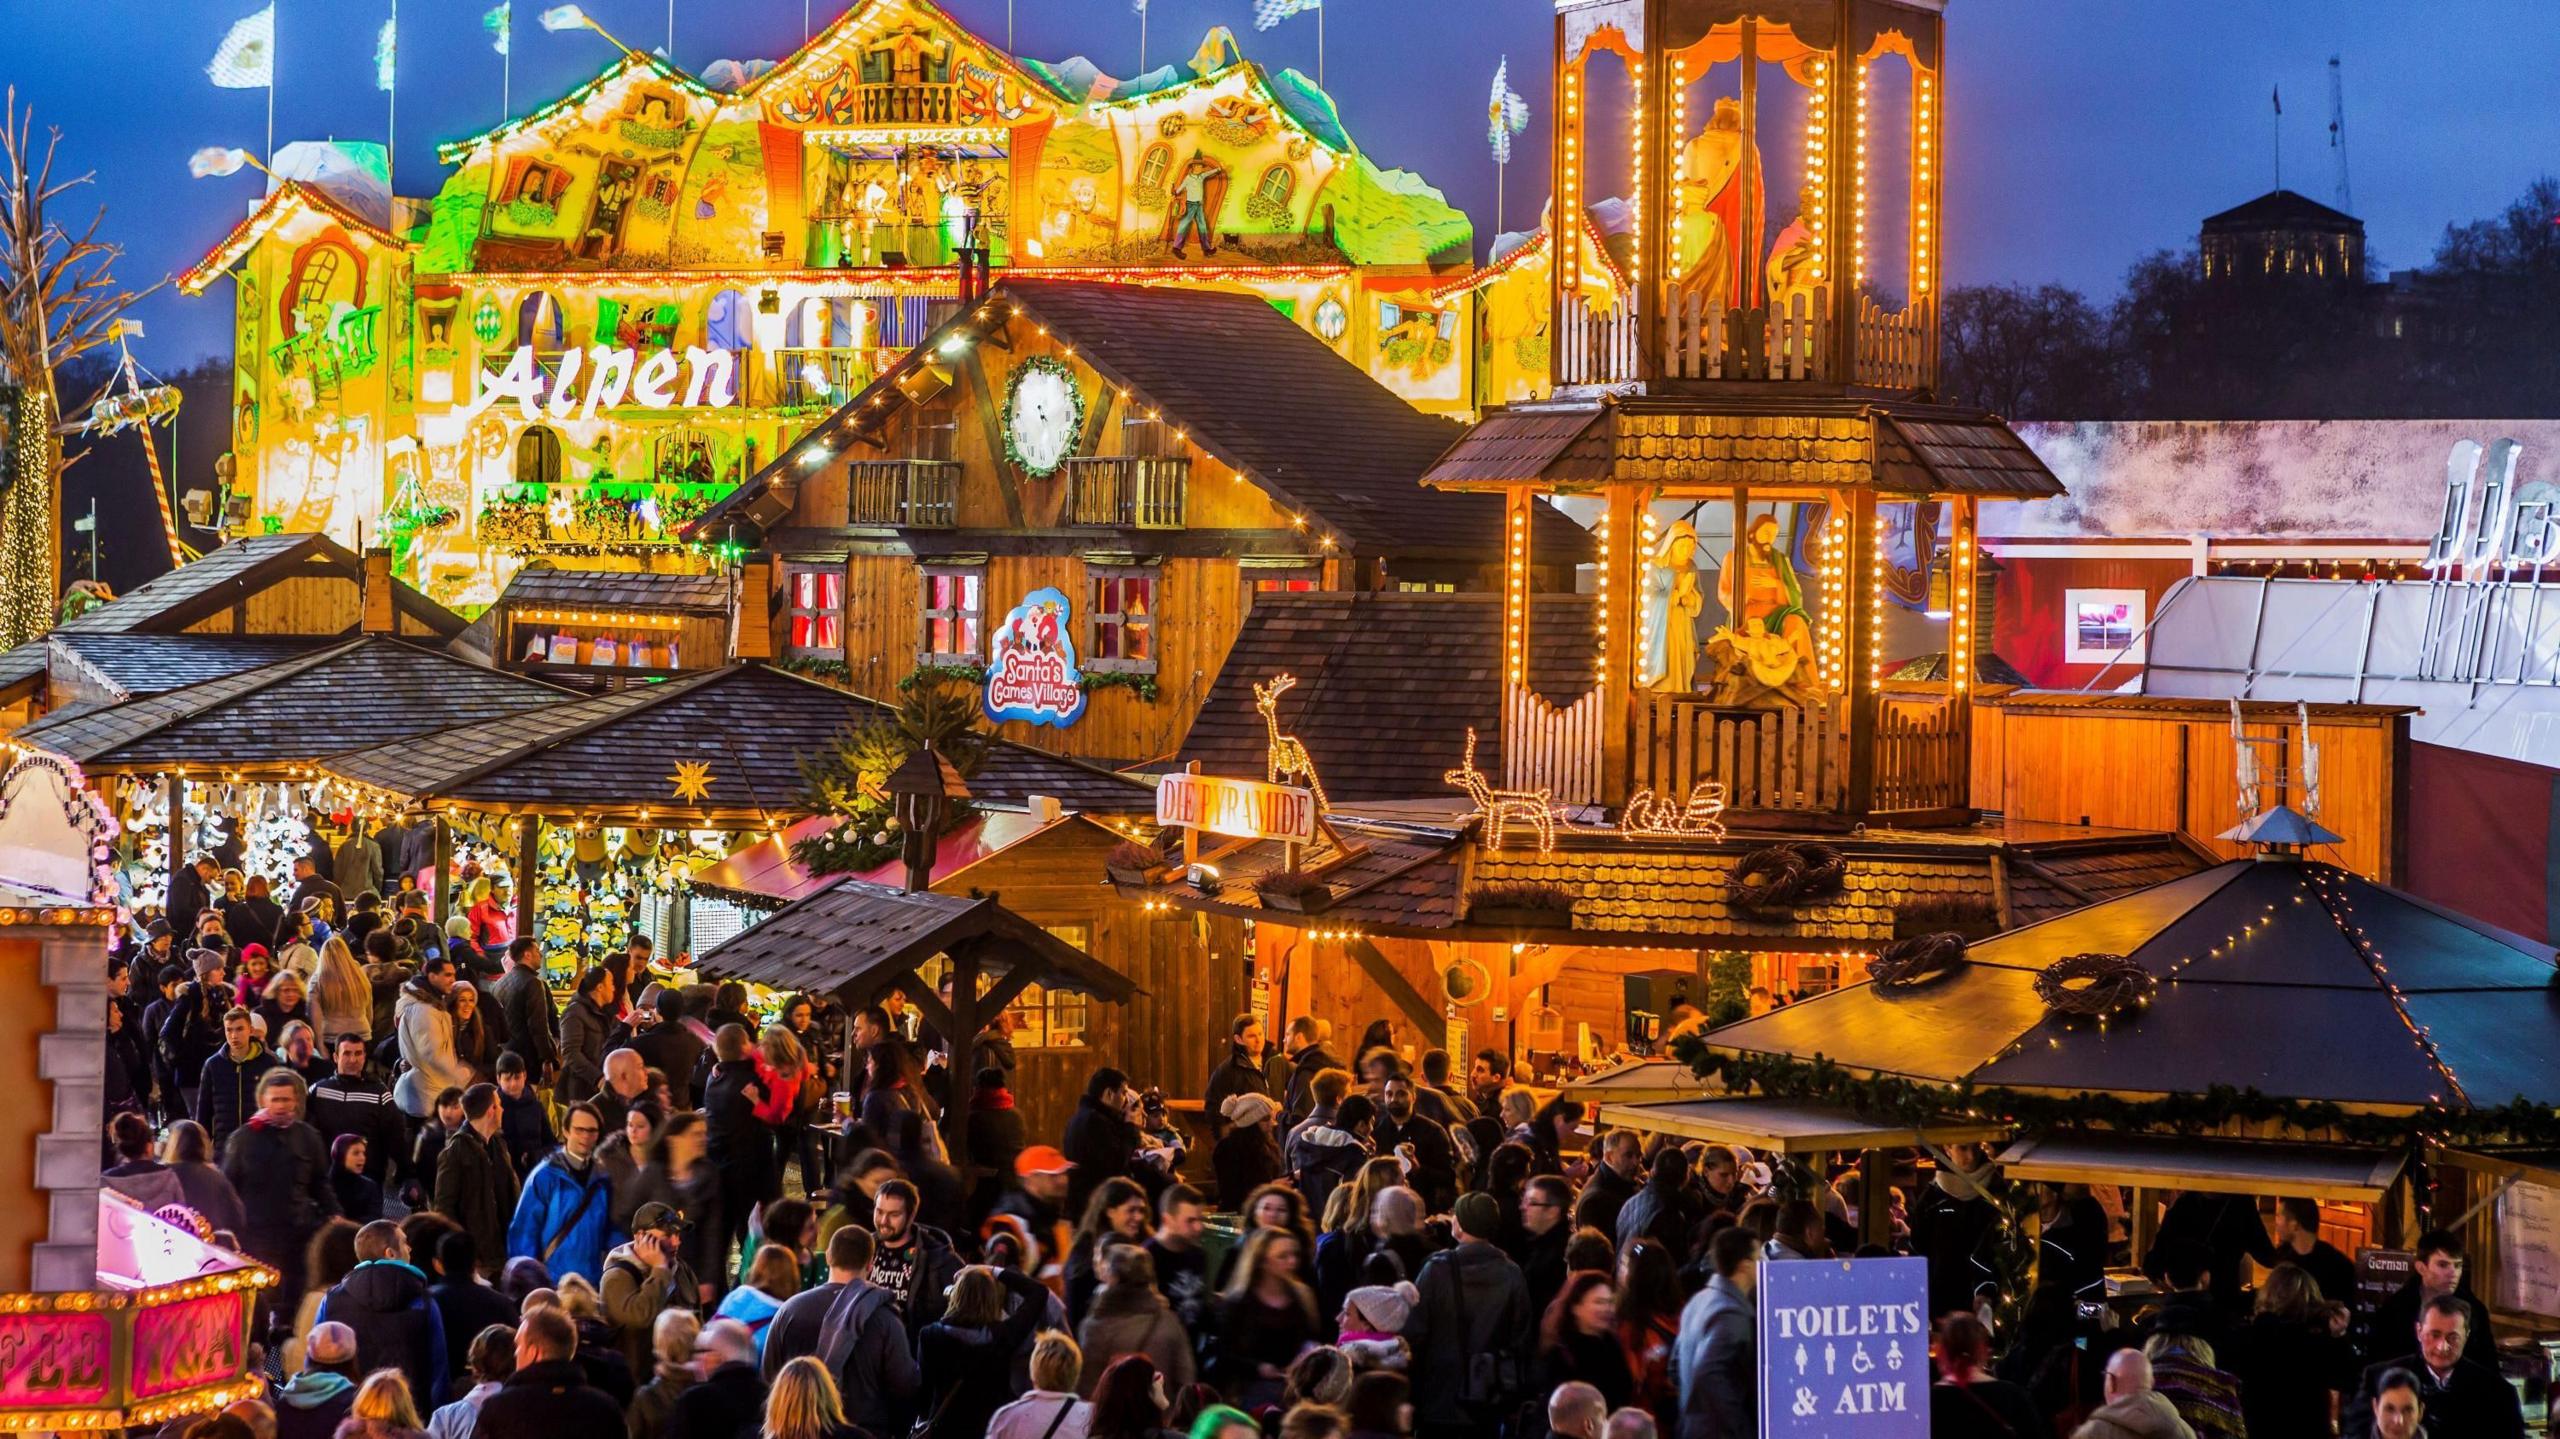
{"x": 2104, "y": 626}
{"x": 1425, "y": 587}
{"x": 538, "y": 456}
{"x": 1124, "y": 621}
{"x": 1044, "y": 1018}
{"x": 815, "y": 628}
{"x": 1288, "y": 582}
{"x": 954, "y": 610}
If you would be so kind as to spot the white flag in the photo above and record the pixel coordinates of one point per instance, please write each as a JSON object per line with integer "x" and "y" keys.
{"x": 214, "y": 160}
{"x": 246, "y": 59}
{"x": 500, "y": 23}
{"x": 386, "y": 55}
{"x": 1507, "y": 116}
{"x": 1267, "y": 13}
{"x": 563, "y": 17}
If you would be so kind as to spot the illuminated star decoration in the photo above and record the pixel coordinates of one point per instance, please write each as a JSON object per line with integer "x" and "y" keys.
{"x": 692, "y": 779}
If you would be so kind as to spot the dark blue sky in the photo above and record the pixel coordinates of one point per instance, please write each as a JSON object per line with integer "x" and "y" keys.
{"x": 2080, "y": 133}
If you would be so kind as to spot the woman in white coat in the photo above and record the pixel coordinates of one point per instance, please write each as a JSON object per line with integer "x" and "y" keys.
{"x": 425, "y": 1027}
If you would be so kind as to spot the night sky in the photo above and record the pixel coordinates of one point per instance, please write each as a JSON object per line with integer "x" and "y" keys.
{"x": 2081, "y": 133}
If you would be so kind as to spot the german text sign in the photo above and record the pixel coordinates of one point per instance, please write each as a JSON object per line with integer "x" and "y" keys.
{"x": 1844, "y": 1349}
{"x": 55, "y": 1361}
{"x": 1246, "y": 809}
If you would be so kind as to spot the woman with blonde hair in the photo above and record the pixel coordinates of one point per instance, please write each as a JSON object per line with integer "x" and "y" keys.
{"x": 805, "y": 1404}
{"x": 1264, "y": 1320}
{"x": 671, "y": 1341}
{"x": 341, "y": 999}
{"x": 383, "y": 1410}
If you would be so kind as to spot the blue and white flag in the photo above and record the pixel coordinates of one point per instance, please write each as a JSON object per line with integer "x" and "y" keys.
{"x": 1507, "y": 116}
{"x": 246, "y": 59}
{"x": 1267, "y": 13}
{"x": 500, "y": 23}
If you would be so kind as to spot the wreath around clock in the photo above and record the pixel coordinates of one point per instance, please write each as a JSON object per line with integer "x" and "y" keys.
{"x": 1012, "y": 388}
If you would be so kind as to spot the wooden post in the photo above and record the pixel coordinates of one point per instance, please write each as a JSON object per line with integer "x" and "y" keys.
{"x": 1657, "y": 199}
{"x": 177, "y": 817}
{"x": 963, "y": 1034}
{"x": 1516, "y": 525}
{"x": 1842, "y": 143}
{"x": 1875, "y": 1203}
{"x": 1622, "y": 618}
{"x": 528, "y": 871}
{"x": 2142, "y": 1213}
{"x": 440, "y": 904}
{"x": 1861, "y": 655}
{"x": 1964, "y": 639}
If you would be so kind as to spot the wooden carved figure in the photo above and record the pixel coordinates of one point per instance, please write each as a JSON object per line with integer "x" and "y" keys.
{"x": 1287, "y": 756}
{"x": 1503, "y": 808}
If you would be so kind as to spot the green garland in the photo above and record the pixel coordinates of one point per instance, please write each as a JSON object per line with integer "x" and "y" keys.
{"x": 924, "y": 675}
{"x": 1916, "y": 1102}
{"x": 1142, "y": 685}
{"x": 835, "y": 672}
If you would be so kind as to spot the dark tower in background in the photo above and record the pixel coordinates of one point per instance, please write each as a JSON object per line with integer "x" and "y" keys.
{"x": 2281, "y": 238}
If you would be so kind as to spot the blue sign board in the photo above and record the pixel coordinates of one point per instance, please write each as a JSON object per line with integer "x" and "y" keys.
{"x": 1031, "y": 663}
{"x": 1844, "y": 1349}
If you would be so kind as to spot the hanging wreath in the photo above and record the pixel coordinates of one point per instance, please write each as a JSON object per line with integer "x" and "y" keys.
{"x": 1908, "y": 964}
{"x": 2093, "y": 986}
{"x": 1783, "y": 876}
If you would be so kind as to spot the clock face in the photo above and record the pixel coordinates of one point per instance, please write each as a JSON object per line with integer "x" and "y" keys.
{"x": 1043, "y": 419}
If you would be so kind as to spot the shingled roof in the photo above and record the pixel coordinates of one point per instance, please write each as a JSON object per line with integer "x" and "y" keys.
{"x": 748, "y": 724}
{"x": 852, "y": 939}
{"x": 617, "y": 589}
{"x": 370, "y": 690}
{"x": 1387, "y": 685}
{"x": 128, "y": 665}
{"x": 1264, "y": 397}
{"x": 200, "y": 588}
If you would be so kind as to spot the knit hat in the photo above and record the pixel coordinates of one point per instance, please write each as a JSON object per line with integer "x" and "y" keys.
{"x": 206, "y": 962}
{"x": 330, "y": 1343}
{"x": 1247, "y": 1109}
{"x": 1479, "y": 1214}
{"x": 1385, "y": 1308}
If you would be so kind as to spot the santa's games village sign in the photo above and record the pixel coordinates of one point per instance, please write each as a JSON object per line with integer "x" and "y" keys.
{"x": 1031, "y": 664}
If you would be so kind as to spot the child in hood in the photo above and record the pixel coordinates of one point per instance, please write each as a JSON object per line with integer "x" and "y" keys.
{"x": 1373, "y": 1320}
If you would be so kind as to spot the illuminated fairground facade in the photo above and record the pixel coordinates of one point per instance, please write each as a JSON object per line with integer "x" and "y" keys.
{"x": 678, "y": 275}
{"x": 1784, "y": 512}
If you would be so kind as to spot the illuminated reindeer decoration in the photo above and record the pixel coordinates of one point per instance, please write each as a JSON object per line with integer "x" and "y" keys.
{"x": 1288, "y": 755}
{"x": 1503, "y": 808}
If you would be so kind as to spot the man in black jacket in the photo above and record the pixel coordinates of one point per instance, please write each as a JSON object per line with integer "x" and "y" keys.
{"x": 1470, "y": 1331}
{"x": 384, "y": 1300}
{"x": 349, "y": 1103}
{"x": 1307, "y": 1056}
{"x": 2435, "y": 1267}
{"x": 1241, "y": 1072}
{"x": 1664, "y": 1210}
{"x": 914, "y": 1262}
{"x": 226, "y": 1088}
{"x": 532, "y": 1019}
{"x": 548, "y": 1396}
{"x": 2462, "y": 1397}
{"x": 740, "y": 1145}
{"x": 1430, "y": 1160}
{"x": 728, "y": 1400}
{"x": 281, "y": 1171}
{"x": 190, "y": 894}
{"x": 853, "y": 1328}
{"x": 475, "y": 1183}
{"x": 670, "y": 1047}
{"x": 309, "y": 884}
{"x": 1100, "y": 1142}
{"x": 1613, "y": 1182}
{"x": 465, "y": 1303}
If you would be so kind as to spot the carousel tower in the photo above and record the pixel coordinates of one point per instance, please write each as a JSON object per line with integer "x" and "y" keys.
{"x": 1744, "y": 410}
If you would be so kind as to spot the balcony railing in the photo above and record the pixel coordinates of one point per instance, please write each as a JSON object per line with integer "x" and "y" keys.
{"x": 909, "y": 494}
{"x": 1126, "y": 492}
{"x": 1706, "y": 341}
{"x": 909, "y": 104}
{"x": 1595, "y": 347}
{"x": 1798, "y": 759}
{"x": 804, "y": 378}
{"x": 1893, "y": 346}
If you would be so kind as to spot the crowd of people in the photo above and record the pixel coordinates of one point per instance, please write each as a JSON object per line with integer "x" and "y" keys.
{"x": 496, "y": 1212}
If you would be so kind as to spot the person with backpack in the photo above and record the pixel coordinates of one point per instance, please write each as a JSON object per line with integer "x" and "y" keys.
{"x": 565, "y": 1215}
{"x": 1470, "y": 1332}
{"x": 851, "y": 1326}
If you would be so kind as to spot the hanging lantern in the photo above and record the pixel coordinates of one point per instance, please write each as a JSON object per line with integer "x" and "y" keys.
{"x": 486, "y": 322}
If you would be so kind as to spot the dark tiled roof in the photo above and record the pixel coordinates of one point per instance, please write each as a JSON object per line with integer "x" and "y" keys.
{"x": 146, "y": 664}
{"x": 749, "y": 724}
{"x": 1264, "y": 397}
{"x": 22, "y": 666}
{"x": 1407, "y": 878}
{"x": 1976, "y": 456}
{"x": 851, "y": 939}
{"x": 1561, "y": 446}
{"x": 617, "y": 589}
{"x": 2046, "y": 880}
{"x": 366, "y": 691}
{"x": 1387, "y": 685}
{"x": 170, "y": 602}
{"x": 2282, "y": 208}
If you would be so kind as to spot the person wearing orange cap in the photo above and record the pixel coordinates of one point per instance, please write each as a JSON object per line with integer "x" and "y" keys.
{"x": 1037, "y": 1199}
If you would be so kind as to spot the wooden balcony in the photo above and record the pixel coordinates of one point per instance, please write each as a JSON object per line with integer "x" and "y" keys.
{"x": 909, "y": 104}
{"x": 1596, "y": 347}
{"x": 1894, "y": 346}
{"x": 906, "y": 494}
{"x": 1788, "y": 760}
{"x": 1126, "y": 492}
{"x": 1700, "y": 340}
{"x": 1705, "y": 341}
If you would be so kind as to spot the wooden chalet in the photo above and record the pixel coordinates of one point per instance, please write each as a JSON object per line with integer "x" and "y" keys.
{"x": 603, "y": 629}
{"x": 1138, "y": 467}
{"x": 249, "y": 603}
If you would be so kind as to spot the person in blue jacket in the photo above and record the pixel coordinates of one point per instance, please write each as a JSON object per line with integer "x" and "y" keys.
{"x": 565, "y": 1216}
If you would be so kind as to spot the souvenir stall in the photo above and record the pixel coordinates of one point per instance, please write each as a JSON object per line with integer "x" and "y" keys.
{"x": 113, "y": 1316}
{"x": 602, "y": 630}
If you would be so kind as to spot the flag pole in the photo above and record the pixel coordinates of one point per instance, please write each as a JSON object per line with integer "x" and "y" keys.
{"x": 1319, "y": 46}
{"x": 273, "y": 51}
{"x": 391, "y": 126}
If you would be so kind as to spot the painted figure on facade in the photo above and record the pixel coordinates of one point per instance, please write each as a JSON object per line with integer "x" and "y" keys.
{"x": 1197, "y": 194}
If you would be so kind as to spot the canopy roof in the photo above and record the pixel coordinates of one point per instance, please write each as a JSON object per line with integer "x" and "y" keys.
{"x": 1638, "y": 1081}
{"x": 2338, "y": 1172}
{"x": 853, "y": 939}
{"x": 1794, "y": 1126}
{"x": 371, "y": 690}
{"x": 627, "y": 757}
{"x": 2399, "y": 1003}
